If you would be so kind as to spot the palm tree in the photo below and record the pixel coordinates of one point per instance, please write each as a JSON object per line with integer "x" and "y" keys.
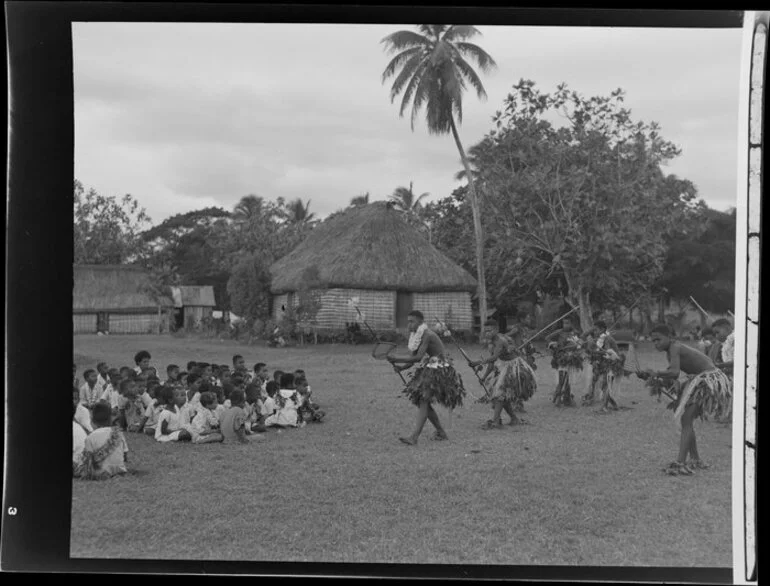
{"x": 405, "y": 200}
{"x": 249, "y": 207}
{"x": 360, "y": 200}
{"x": 433, "y": 73}
{"x": 299, "y": 212}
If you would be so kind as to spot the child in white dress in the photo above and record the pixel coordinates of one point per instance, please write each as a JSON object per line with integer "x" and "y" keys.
{"x": 173, "y": 423}
{"x": 205, "y": 425}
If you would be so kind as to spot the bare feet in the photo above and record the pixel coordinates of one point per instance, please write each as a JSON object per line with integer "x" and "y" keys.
{"x": 408, "y": 441}
{"x": 492, "y": 425}
{"x": 677, "y": 469}
{"x": 698, "y": 465}
{"x": 439, "y": 437}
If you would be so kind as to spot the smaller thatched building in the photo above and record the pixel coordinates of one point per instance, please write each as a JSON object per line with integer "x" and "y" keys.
{"x": 117, "y": 299}
{"x": 193, "y": 304}
{"x": 371, "y": 253}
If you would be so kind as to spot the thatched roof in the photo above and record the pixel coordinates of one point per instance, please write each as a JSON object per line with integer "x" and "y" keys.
{"x": 193, "y": 295}
{"x": 369, "y": 247}
{"x": 114, "y": 287}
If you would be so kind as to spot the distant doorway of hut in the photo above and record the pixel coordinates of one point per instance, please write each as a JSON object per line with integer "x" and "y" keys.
{"x": 404, "y": 304}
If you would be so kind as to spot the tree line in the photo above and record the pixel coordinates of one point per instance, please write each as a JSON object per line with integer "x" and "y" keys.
{"x": 566, "y": 195}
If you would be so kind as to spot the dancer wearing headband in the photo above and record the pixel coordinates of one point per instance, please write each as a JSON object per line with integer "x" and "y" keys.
{"x": 433, "y": 380}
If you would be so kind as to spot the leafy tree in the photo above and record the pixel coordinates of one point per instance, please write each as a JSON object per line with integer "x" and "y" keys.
{"x": 434, "y": 73}
{"x": 701, "y": 260}
{"x": 248, "y": 207}
{"x": 585, "y": 202}
{"x": 249, "y": 288}
{"x": 188, "y": 249}
{"x": 106, "y": 229}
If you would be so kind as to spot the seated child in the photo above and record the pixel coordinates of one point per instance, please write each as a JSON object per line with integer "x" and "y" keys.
{"x": 111, "y": 393}
{"x": 152, "y": 413}
{"x": 173, "y": 424}
{"x": 81, "y": 416}
{"x": 105, "y": 450}
{"x": 90, "y": 392}
{"x": 172, "y": 374}
{"x": 220, "y": 408}
{"x": 287, "y": 401}
{"x": 126, "y": 372}
{"x": 131, "y": 408}
{"x": 233, "y": 422}
{"x": 205, "y": 425}
{"x": 299, "y": 373}
{"x": 254, "y": 420}
{"x": 102, "y": 380}
{"x": 142, "y": 360}
{"x": 78, "y": 440}
{"x": 306, "y": 410}
{"x": 268, "y": 405}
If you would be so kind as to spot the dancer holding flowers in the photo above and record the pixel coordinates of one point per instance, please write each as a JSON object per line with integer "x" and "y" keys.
{"x": 705, "y": 393}
{"x": 434, "y": 378}
{"x": 607, "y": 364}
{"x": 567, "y": 359}
{"x": 512, "y": 377}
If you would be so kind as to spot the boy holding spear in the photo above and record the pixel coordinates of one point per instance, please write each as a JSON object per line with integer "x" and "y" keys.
{"x": 512, "y": 377}
{"x": 705, "y": 393}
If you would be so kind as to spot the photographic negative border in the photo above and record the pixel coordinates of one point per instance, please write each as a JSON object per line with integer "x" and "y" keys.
{"x": 41, "y": 130}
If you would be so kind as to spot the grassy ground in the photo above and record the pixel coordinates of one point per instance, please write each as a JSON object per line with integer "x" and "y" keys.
{"x": 574, "y": 487}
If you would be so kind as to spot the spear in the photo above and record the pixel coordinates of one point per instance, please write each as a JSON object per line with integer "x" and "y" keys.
{"x": 467, "y": 358}
{"x": 706, "y": 313}
{"x": 376, "y": 337}
{"x": 546, "y": 327}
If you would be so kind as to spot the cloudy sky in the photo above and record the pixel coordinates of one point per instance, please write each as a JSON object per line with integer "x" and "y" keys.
{"x": 188, "y": 115}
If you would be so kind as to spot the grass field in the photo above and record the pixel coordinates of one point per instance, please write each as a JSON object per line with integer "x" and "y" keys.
{"x": 574, "y": 487}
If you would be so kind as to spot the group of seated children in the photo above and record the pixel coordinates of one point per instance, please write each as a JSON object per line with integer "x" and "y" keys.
{"x": 207, "y": 403}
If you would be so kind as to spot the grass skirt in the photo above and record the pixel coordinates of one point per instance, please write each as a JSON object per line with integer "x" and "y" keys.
{"x": 709, "y": 390}
{"x": 436, "y": 381}
{"x": 513, "y": 380}
{"x": 567, "y": 358}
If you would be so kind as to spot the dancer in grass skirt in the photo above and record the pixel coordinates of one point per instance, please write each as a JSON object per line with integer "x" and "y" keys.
{"x": 512, "y": 378}
{"x": 518, "y": 332}
{"x": 705, "y": 393}
{"x": 723, "y": 330}
{"x": 567, "y": 359}
{"x": 607, "y": 363}
{"x": 434, "y": 379}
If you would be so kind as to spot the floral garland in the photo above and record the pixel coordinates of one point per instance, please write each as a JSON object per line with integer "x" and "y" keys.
{"x": 90, "y": 461}
{"x": 415, "y": 338}
{"x": 281, "y": 400}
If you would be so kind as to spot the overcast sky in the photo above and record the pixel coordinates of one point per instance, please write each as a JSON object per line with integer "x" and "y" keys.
{"x": 188, "y": 115}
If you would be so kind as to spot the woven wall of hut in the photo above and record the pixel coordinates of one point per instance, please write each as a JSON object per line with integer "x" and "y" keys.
{"x": 455, "y": 307}
{"x": 378, "y": 308}
{"x": 140, "y": 323}
{"x": 84, "y": 323}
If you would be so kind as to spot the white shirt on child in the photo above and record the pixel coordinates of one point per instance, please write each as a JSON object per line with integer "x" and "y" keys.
{"x": 83, "y": 418}
{"x": 728, "y": 348}
{"x": 177, "y": 419}
{"x": 88, "y": 396}
{"x": 102, "y": 382}
{"x": 268, "y": 406}
{"x": 111, "y": 396}
{"x": 152, "y": 413}
{"x": 286, "y": 415}
{"x": 79, "y": 436}
{"x": 205, "y": 420}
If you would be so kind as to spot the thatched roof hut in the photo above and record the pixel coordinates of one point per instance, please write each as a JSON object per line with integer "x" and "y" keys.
{"x": 372, "y": 254}
{"x": 370, "y": 247}
{"x": 116, "y": 298}
{"x": 115, "y": 288}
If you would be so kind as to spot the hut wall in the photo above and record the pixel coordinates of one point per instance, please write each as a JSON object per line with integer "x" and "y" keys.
{"x": 278, "y": 301}
{"x": 196, "y": 313}
{"x": 438, "y": 305}
{"x": 378, "y": 307}
{"x": 84, "y": 323}
{"x": 140, "y": 323}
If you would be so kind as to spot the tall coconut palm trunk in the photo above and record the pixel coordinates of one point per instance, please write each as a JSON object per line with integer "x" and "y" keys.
{"x": 477, "y": 229}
